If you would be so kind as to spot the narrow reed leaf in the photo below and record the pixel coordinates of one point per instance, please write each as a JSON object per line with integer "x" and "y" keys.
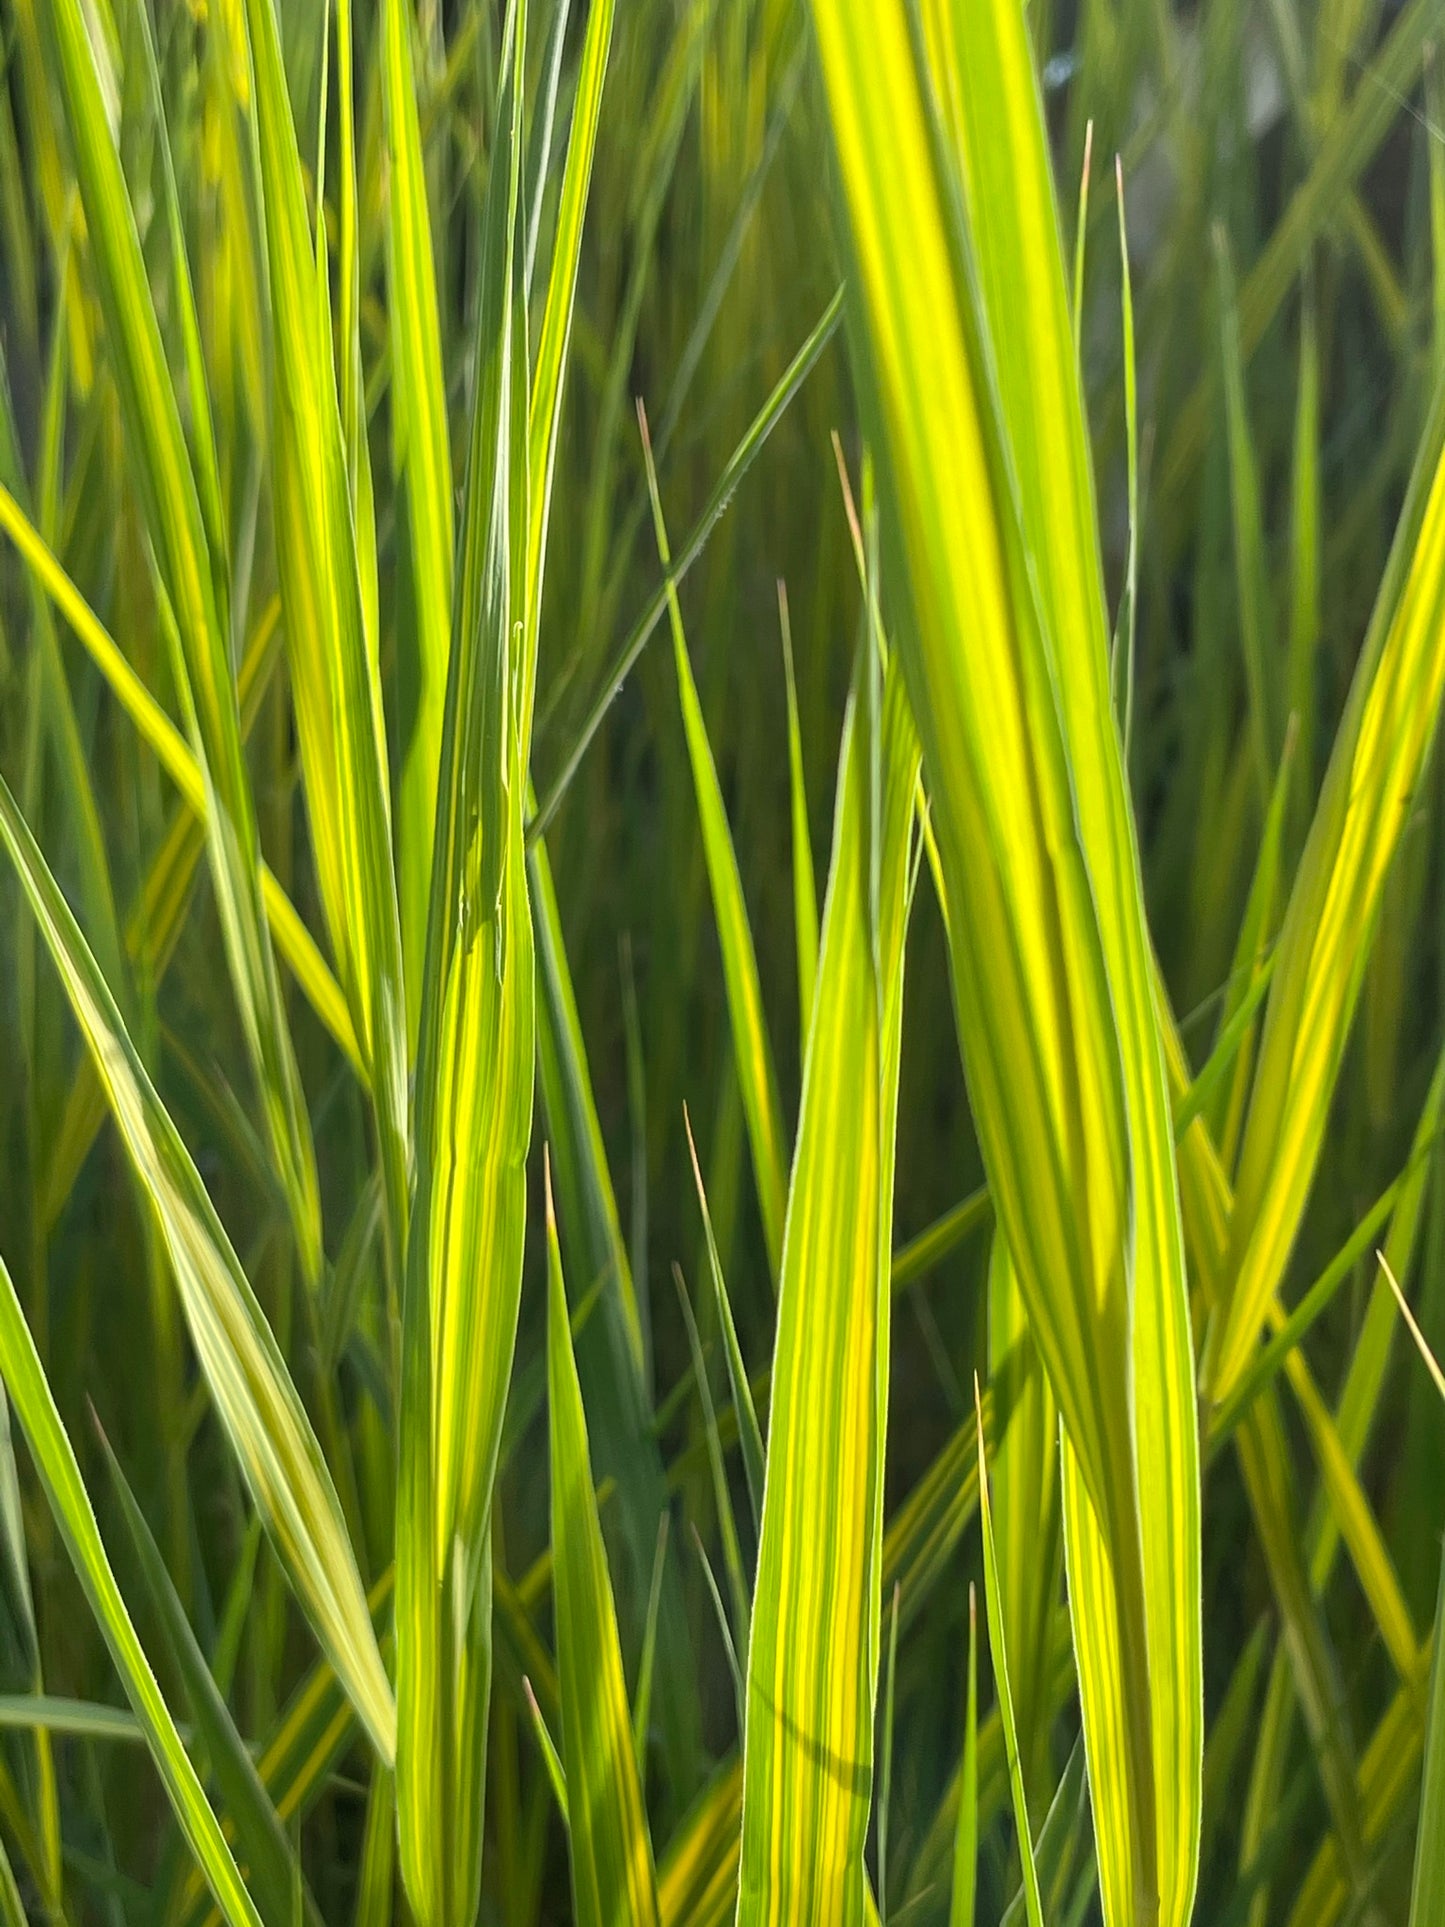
{"x": 193, "y": 598}
{"x": 334, "y": 678}
{"x": 70, "y": 1503}
{"x": 752, "y": 1049}
{"x": 749, "y": 1433}
{"x": 244, "y": 1370}
{"x": 1027, "y": 1513}
{"x": 265, "y": 1851}
{"x": 813, "y": 1660}
{"x": 1374, "y": 768}
{"x": 970, "y": 371}
{"x": 1251, "y": 585}
{"x": 998, "y": 1645}
{"x": 722, "y": 1498}
{"x": 289, "y": 934}
{"x": 1427, "y": 1892}
{"x": 1121, "y": 653}
{"x": 965, "y": 1838}
{"x": 737, "y": 465}
{"x": 551, "y": 1758}
{"x": 473, "y": 1114}
{"x": 805, "y": 890}
{"x": 612, "y": 1873}
{"x": 1432, "y": 1365}
{"x": 647, "y": 1665}
{"x": 421, "y": 456}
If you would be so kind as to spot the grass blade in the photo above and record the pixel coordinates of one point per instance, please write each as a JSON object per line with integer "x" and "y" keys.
{"x": 1375, "y": 765}
{"x": 249, "y": 1384}
{"x": 612, "y": 1876}
{"x": 972, "y": 379}
{"x": 180, "y": 505}
{"x": 996, "y": 1639}
{"x": 965, "y": 1839}
{"x": 751, "y": 1047}
{"x": 421, "y": 456}
{"x": 334, "y": 680}
{"x": 813, "y": 1660}
{"x": 1427, "y": 1892}
{"x": 267, "y": 1853}
{"x": 55, "y": 1461}
{"x": 473, "y": 1118}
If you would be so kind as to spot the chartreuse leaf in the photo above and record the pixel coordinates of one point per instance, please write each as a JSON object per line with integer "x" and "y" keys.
{"x": 1027, "y": 1513}
{"x": 179, "y": 503}
{"x": 750, "y": 1436}
{"x": 813, "y": 1657}
{"x": 1427, "y": 1894}
{"x": 249, "y": 1384}
{"x": 972, "y": 382}
{"x": 612, "y": 1355}
{"x": 290, "y": 935}
{"x": 752, "y": 1051}
{"x": 612, "y": 1876}
{"x": 421, "y": 456}
{"x": 554, "y": 342}
{"x": 1375, "y": 766}
{"x": 473, "y": 1111}
{"x": 334, "y": 681}
{"x": 805, "y": 891}
{"x": 965, "y": 1839}
{"x": 998, "y": 1640}
{"x": 268, "y": 1856}
{"x": 70, "y": 1503}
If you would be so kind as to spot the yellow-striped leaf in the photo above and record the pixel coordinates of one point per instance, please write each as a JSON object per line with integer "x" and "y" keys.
{"x": 752, "y": 1050}
{"x": 334, "y": 677}
{"x": 1375, "y": 766}
{"x": 813, "y": 1656}
{"x": 972, "y": 380}
{"x": 180, "y": 505}
{"x": 473, "y": 1113}
{"x": 70, "y": 1503}
{"x": 421, "y": 455}
{"x": 611, "y": 1850}
{"x": 249, "y": 1384}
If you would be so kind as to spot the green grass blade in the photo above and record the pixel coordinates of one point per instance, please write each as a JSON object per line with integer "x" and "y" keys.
{"x": 334, "y": 682}
{"x": 998, "y": 1643}
{"x": 722, "y": 1497}
{"x": 266, "y": 1852}
{"x": 805, "y": 891}
{"x": 473, "y": 1120}
{"x": 249, "y": 1384}
{"x": 421, "y": 456}
{"x": 1126, "y": 622}
{"x": 752, "y": 1050}
{"x": 972, "y": 379}
{"x": 290, "y": 935}
{"x": 749, "y": 1433}
{"x": 1305, "y": 559}
{"x": 612, "y": 1875}
{"x": 1027, "y": 1512}
{"x": 554, "y": 342}
{"x": 965, "y": 1840}
{"x": 55, "y": 1461}
{"x": 1251, "y": 581}
{"x": 1374, "y": 769}
{"x": 1427, "y": 1892}
{"x": 610, "y": 1354}
{"x": 738, "y": 464}
{"x": 193, "y": 594}
{"x": 813, "y": 1660}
